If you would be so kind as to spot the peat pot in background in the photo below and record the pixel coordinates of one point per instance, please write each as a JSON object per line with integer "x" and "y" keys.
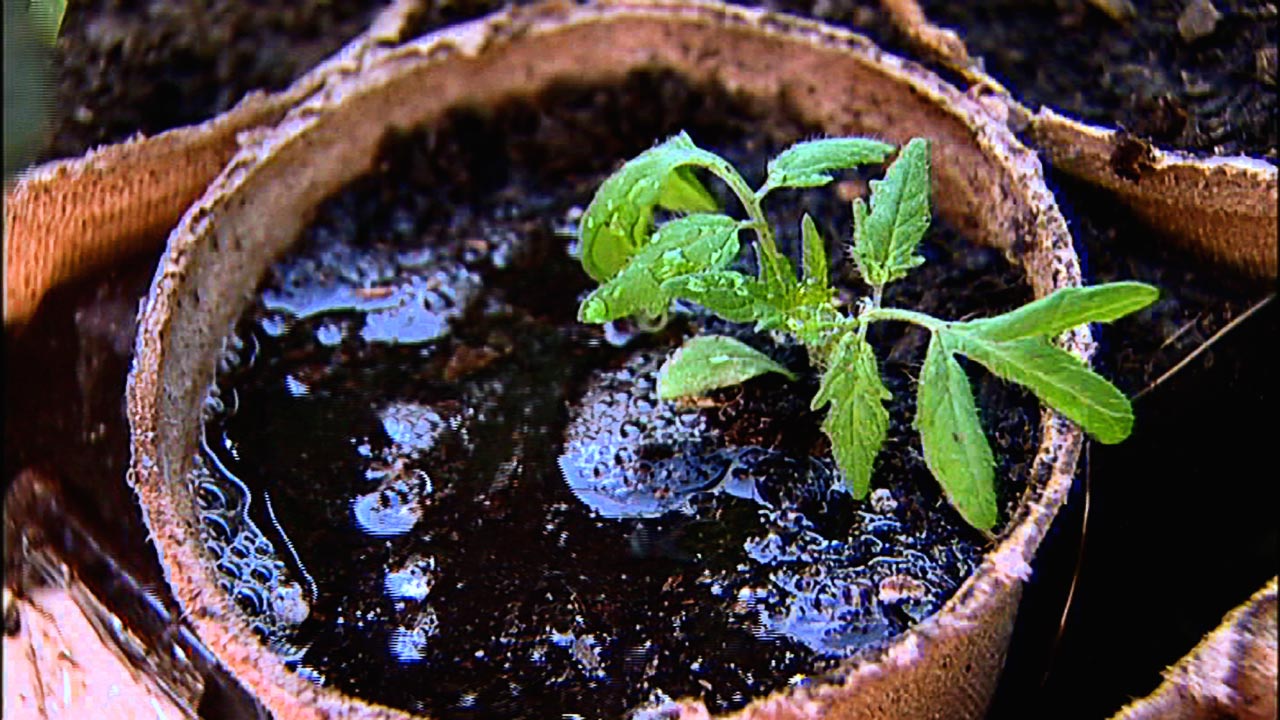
{"x": 986, "y": 184}
{"x": 1221, "y": 208}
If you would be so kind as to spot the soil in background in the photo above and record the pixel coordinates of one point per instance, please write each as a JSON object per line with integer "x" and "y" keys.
{"x": 125, "y": 66}
{"x": 133, "y": 67}
{"x": 1171, "y": 73}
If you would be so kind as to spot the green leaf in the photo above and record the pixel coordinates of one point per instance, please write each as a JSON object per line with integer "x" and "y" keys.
{"x": 729, "y": 294}
{"x": 815, "y": 253}
{"x": 809, "y": 164}
{"x": 684, "y": 192}
{"x": 691, "y": 244}
{"x": 707, "y": 362}
{"x": 776, "y": 273}
{"x": 619, "y": 220}
{"x": 1057, "y": 377}
{"x": 857, "y": 422}
{"x": 955, "y": 448}
{"x": 885, "y": 240}
{"x": 1064, "y": 309}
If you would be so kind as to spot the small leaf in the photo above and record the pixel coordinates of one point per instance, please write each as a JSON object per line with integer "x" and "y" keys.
{"x": 811, "y": 317}
{"x": 955, "y": 448}
{"x": 729, "y": 294}
{"x": 707, "y": 362}
{"x": 691, "y": 244}
{"x": 1064, "y": 309}
{"x": 619, "y": 220}
{"x": 684, "y": 192}
{"x": 1057, "y": 377}
{"x": 885, "y": 240}
{"x": 809, "y": 164}
{"x": 857, "y": 422}
{"x": 777, "y": 275}
{"x": 815, "y": 253}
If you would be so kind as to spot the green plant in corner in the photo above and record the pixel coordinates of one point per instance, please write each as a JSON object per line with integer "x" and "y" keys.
{"x": 46, "y": 17}
{"x": 642, "y": 267}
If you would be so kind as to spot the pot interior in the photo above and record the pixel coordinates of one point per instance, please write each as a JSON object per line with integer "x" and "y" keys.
{"x": 523, "y": 525}
{"x": 738, "y": 82}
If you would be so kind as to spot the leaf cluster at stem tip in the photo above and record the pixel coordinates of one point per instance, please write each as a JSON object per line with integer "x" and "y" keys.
{"x": 642, "y": 267}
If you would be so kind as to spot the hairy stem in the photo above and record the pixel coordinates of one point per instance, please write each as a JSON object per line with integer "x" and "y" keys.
{"x": 750, "y": 200}
{"x": 928, "y": 322}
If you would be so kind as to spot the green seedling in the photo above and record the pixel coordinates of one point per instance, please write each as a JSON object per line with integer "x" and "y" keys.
{"x": 642, "y": 267}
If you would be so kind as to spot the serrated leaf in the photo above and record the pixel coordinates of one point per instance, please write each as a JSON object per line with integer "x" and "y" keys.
{"x": 619, "y": 220}
{"x": 776, "y": 273}
{"x": 809, "y": 163}
{"x": 1064, "y": 309}
{"x": 708, "y": 362}
{"x": 1057, "y": 377}
{"x": 857, "y": 421}
{"x": 729, "y": 294}
{"x": 886, "y": 238}
{"x": 815, "y": 252}
{"x": 692, "y": 244}
{"x": 684, "y": 192}
{"x": 955, "y": 448}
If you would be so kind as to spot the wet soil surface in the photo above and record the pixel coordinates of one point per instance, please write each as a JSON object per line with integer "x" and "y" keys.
{"x": 525, "y": 529}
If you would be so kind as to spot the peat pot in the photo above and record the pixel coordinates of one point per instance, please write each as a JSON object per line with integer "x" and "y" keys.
{"x": 988, "y": 191}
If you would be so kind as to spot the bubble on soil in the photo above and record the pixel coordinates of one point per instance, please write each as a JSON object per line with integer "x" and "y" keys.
{"x": 252, "y": 573}
{"x": 412, "y": 580}
{"x": 409, "y": 641}
{"x": 630, "y": 455}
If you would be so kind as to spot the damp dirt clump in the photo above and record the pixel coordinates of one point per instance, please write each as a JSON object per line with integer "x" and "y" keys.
{"x": 425, "y": 484}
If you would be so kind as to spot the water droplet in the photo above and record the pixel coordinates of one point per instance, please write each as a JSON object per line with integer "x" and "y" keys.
{"x": 413, "y": 580}
{"x": 385, "y": 514}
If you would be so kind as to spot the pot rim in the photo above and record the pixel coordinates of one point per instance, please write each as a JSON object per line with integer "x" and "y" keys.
{"x": 1051, "y": 263}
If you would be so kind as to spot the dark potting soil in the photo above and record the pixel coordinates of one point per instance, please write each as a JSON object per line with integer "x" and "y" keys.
{"x": 1198, "y": 75}
{"x": 1212, "y": 93}
{"x": 125, "y": 67}
{"x": 428, "y": 486}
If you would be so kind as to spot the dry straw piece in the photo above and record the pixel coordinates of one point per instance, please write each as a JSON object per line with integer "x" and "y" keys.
{"x": 987, "y": 185}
